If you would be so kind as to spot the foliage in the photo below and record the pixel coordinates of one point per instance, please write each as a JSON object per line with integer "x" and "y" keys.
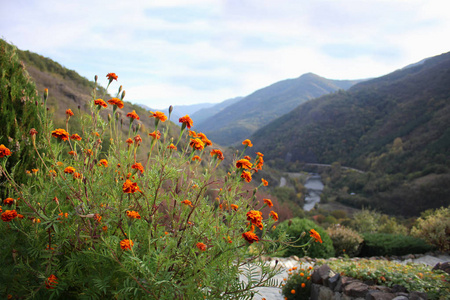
{"x": 371, "y": 221}
{"x": 298, "y": 283}
{"x": 434, "y": 227}
{"x": 295, "y": 229}
{"x": 415, "y": 277}
{"x": 104, "y": 223}
{"x": 345, "y": 240}
{"x": 18, "y": 114}
{"x": 381, "y": 244}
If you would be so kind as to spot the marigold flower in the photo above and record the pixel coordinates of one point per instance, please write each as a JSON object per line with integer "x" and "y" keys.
{"x": 137, "y": 139}
{"x": 244, "y": 163}
{"x": 88, "y": 152}
{"x": 8, "y": 201}
{"x": 250, "y": 237}
{"x": 9, "y": 215}
{"x": 292, "y": 291}
{"x": 234, "y": 207}
{"x": 4, "y": 151}
{"x": 172, "y": 147}
{"x": 193, "y": 133}
{"x": 187, "y": 122}
{"x": 116, "y": 101}
{"x": 187, "y": 202}
{"x": 1, "y": 210}
{"x": 217, "y": 153}
{"x": 196, "y": 157}
{"x": 303, "y": 284}
{"x": 126, "y": 244}
{"x": 138, "y": 166}
{"x": 51, "y": 282}
{"x": 302, "y": 274}
{"x": 259, "y": 163}
{"x": 69, "y": 112}
{"x": 265, "y": 183}
{"x": 247, "y": 142}
{"x": 72, "y": 153}
{"x": 129, "y": 141}
{"x": 97, "y": 218}
{"x": 204, "y": 139}
{"x": 112, "y": 76}
{"x": 255, "y": 217}
{"x": 197, "y": 144}
{"x": 314, "y": 234}
{"x": 105, "y": 228}
{"x": 69, "y": 170}
{"x": 75, "y": 137}
{"x": 158, "y": 115}
{"x": 201, "y": 246}
{"x": 130, "y": 187}
{"x": 247, "y": 157}
{"x": 247, "y": 176}
{"x": 103, "y": 162}
{"x": 133, "y": 214}
{"x": 100, "y": 102}
{"x": 268, "y": 202}
{"x": 60, "y": 133}
{"x": 274, "y": 215}
{"x": 259, "y": 154}
{"x": 133, "y": 115}
{"x": 156, "y": 135}
{"x": 77, "y": 175}
{"x": 52, "y": 173}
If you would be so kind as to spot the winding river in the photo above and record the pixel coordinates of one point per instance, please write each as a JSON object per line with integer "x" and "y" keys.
{"x": 314, "y": 188}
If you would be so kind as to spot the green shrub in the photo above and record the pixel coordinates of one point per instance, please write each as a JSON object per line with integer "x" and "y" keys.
{"x": 434, "y": 227}
{"x": 296, "y": 228}
{"x": 380, "y": 244}
{"x": 298, "y": 284}
{"x": 345, "y": 240}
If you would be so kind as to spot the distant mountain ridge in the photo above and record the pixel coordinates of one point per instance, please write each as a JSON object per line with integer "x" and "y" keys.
{"x": 205, "y": 113}
{"x": 239, "y": 120}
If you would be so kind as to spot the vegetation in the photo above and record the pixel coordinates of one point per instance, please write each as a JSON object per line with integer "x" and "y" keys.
{"x": 298, "y": 283}
{"x": 434, "y": 227}
{"x": 385, "y": 244}
{"x": 345, "y": 241}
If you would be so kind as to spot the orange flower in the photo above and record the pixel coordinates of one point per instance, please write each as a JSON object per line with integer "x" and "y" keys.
{"x": 268, "y": 202}
{"x": 1, "y": 210}
{"x": 247, "y": 142}
{"x": 193, "y": 133}
{"x": 259, "y": 163}
{"x": 4, "y": 151}
{"x": 201, "y": 246}
{"x": 116, "y": 101}
{"x": 51, "y": 282}
{"x": 196, "y": 157}
{"x": 69, "y": 170}
{"x": 137, "y": 139}
{"x": 265, "y": 183}
{"x": 133, "y": 115}
{"x": 9, "y": 215}
{"x": 158, "y": 115}
{"x": 52, "y": 173}
{"x": 112, "y": 76}
{"x": 72, "y": 153}
{"x": 88, "y": 152}
{"x": 244, "y": 163}
{"x": 133, "y": 214}
{"x": 100, "y": 102}
{"x": 172, "y": 147}
{"x": 187, "y": 122}
{"x": 302, "y": 274}
{"x": 103, "y": 162}
{"x": 33, "y": 132}
{"x": 250, "y": 237}
{"x": 247, "y": 157}
{"x": 234, "y": 207}
{"x": 97, "y": 218}
{"x": 197, "y": 144}
{"x": 204, "y": 139}
{"x": 138, "y": 166}
{"x": 75, "y": 137}
{"x": 247, "y": 176}
{"x": 69, "y": 112}
{"x": 130, "y": 187}
{"x": 155, "y": 134}
{"x": 303, "y": 284}
{"x": 292, "y": 291}
{"x": 105, "y": 228}
{"x": 8, "y": 201}
{"x": 77, "y": 175}
{"x": 187, "y": 202}
{"x": 126, "y": 244}
{"x": 314, "y": 234}
{"x": 274, "y": 215}
{"x": 217, "y": 153}
{"x": 60, "y": 133}
{"x": 259, "y": 154}
{"x": 129, "y": 141}
{"x": 255, "y": 217}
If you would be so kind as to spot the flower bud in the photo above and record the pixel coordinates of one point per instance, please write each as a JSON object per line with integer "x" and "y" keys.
{"x": 95, "y": 78}
{"x": 170, "y": 109}
{"x": 123, "y": 95}
{"x": 120, "y": 89}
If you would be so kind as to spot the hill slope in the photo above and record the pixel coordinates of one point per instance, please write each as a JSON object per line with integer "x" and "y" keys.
{"x": 397, "y": 125}
{"x": 239, "y": 120}
{"x": 205, "y": 113}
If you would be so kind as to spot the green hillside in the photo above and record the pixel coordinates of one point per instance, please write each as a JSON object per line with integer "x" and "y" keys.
{"x": 239, "y": 120}
{"x": 205, "y": 113}
{"x": 396, "y": 127}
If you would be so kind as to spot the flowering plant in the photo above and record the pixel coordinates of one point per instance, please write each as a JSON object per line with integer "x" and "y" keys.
{"x": 95, "y": 220}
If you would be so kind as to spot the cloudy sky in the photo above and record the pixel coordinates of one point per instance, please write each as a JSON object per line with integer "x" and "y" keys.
{"x": 191, "y": 51}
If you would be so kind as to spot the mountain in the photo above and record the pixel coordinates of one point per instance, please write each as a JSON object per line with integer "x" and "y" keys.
{"x": 182, "y": 110}
{"x": 239, "y": 120}
{"x": 204, "y": 113}
{"x": 395, "y": 127}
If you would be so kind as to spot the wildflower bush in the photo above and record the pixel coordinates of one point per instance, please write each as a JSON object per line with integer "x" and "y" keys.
{"x": 96, "y": 223}
{"x": 381, "y": 244}
{"x": 434, "y": 227}
{"x": 298, "y": 284}
{"x": 296, "y": 229}
{"x": 414, "y": 277}
{"x": 345, "y": 240}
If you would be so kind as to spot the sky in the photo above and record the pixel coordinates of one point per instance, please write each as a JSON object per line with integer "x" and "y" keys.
{"x": 181, "y": 52}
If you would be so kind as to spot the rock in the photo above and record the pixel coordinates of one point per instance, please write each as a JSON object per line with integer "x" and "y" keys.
{"x": 418, "y": 296}
{"x": 378, "y": 295}
{"x": 320, "y": 274}
{"x": 396, "y": 288}
{"x": 401, "y": 298}
{"x": 332, "y": 282}
{"x": 442, "y": 266}
{"x": 295, "y": 257}
{"x": 356, "y": 289}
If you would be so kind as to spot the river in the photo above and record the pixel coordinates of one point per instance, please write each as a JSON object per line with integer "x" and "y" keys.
{"x": 314, "y": 188}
